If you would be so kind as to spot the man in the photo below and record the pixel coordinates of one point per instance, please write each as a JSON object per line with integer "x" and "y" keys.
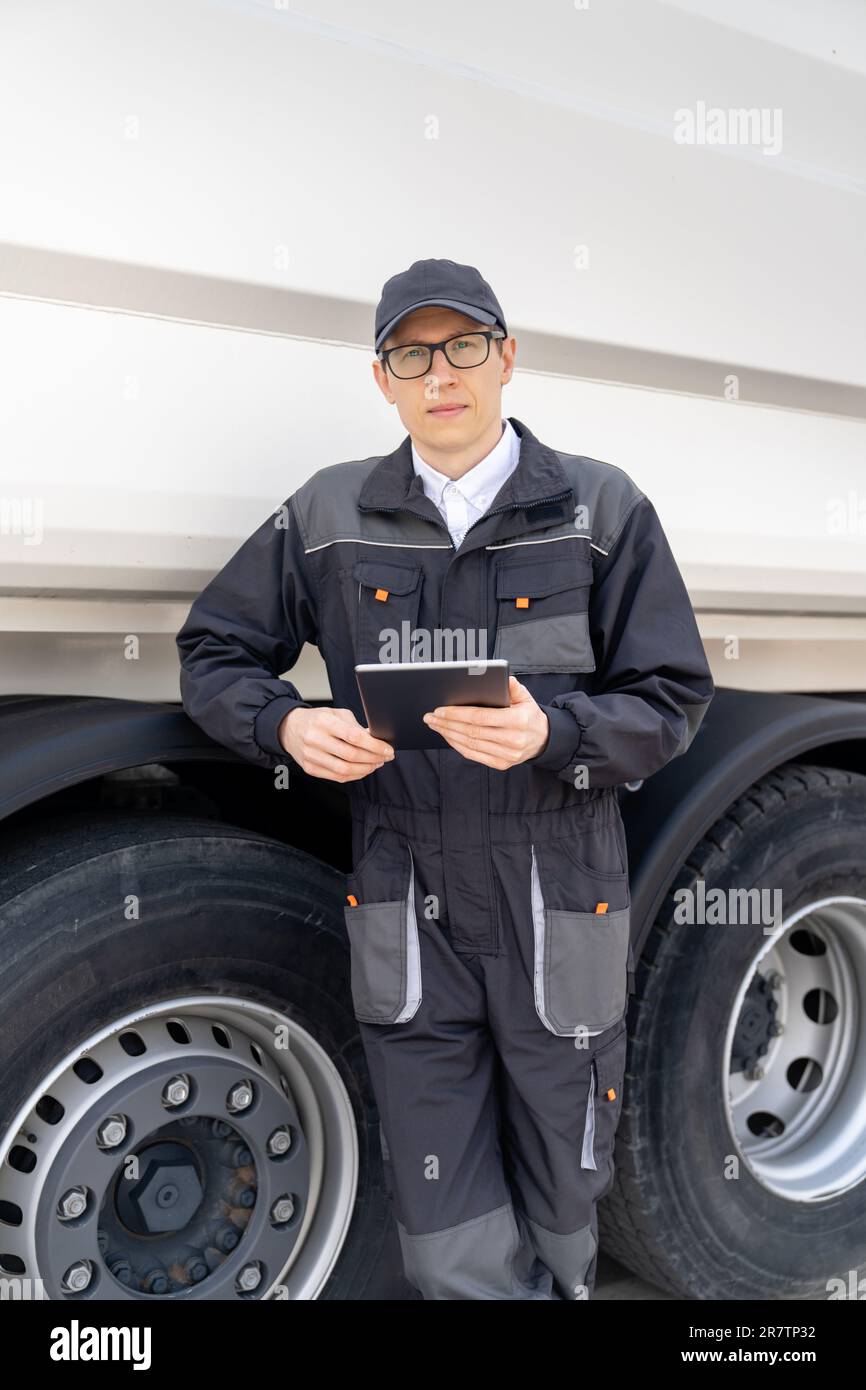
{"x": 488, "y": 911}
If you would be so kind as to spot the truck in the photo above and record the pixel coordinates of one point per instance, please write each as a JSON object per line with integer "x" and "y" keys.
{"x": 201, "y": 206}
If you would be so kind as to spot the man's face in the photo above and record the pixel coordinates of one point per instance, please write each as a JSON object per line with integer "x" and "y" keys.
{"x": 423, "y": 402}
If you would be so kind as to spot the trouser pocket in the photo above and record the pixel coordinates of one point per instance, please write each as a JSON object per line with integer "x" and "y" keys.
{"x": 604, "y": 1104}
{"x": 582, "y": 955}
{"x": 383, "y": 933}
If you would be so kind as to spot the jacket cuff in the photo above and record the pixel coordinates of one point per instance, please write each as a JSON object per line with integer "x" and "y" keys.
{"x": 563, "y": 740}
{"x": 268, "y": 720}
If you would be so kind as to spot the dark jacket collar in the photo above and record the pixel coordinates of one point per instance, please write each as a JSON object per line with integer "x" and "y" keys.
{"x": 393, "y": 483}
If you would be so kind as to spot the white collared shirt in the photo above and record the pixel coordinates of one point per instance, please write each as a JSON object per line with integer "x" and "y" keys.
{"x": 464, "y": 501}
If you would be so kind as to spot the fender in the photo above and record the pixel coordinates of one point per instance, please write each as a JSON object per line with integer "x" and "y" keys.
{"x": 744, "y": 735}
{"x": 54, "y": 741}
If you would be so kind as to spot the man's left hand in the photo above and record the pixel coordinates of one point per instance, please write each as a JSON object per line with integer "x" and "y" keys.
{"x": 499, "y": 738}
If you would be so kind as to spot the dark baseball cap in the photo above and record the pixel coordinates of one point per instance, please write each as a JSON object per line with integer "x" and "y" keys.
{"x": 455, "y": 286}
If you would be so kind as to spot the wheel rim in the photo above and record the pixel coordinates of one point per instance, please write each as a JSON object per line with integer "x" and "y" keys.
{"x": 799, "y": 1122}
{"x": 244, "y": 1171}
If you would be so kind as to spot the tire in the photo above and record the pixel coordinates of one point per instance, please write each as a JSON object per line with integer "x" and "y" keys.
{"x": 194, "y": 933}
{"x": 740, "y": 1158}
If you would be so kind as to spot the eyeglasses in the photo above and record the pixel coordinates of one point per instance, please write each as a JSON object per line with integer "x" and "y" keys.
{"x": 414, "y": 359}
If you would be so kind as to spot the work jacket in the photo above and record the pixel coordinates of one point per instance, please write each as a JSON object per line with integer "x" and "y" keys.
{"x": 568, "y": 575}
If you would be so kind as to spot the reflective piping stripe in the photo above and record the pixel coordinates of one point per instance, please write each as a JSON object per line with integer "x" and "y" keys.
{"x": 538, "y": 930}
{"x": 421, "y": 545}
{"x": 395, "y": 545}
{"x": 544, "y": 540}
{"x": 413, "y": 953}
{"x": 587, "y": 1157}
{"x": 547, "y": 540}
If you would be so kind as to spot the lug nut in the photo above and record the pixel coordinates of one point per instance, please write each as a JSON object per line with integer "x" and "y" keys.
{"x": 280, "y": 1141}
{"x": 155, "y": 1282}
{"x": 122, "y": 1271}
{"x": 240, "y": 1096}
{"x": 227, "y": 1239}
{"x": 112, "y": 1132}
{"x": 249, "y": 1278}
{"x": 282, "y": 1210}
{"x": 196, "y": 1269}
{"x": 177, "y": 1090}
{"x": 73, "y": 1203}
{"x": 77, "y": 1277}
{"x": 235, "y": 1154}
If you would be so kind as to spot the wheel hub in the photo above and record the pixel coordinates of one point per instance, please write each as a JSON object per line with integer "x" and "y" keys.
{"x": 168, "y": 1194}
{"x": 754, "y": 1025}
{"x": 795, "y": 1054}
{"x": 131, "y": 1176}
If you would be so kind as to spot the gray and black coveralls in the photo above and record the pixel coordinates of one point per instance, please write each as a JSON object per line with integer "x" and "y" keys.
{"x": 490, "y": 951}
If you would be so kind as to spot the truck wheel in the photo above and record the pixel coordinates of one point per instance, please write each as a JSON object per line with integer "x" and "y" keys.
{"x": 741, "y": 1151}
{"x": 185, "y": 1109}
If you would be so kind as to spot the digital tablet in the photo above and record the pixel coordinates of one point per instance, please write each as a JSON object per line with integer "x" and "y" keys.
{"x": 395, "y": 694}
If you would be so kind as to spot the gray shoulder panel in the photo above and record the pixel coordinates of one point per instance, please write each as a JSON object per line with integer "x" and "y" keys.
{"x": 326, "y": 505}
{"x": 608, "y": 493}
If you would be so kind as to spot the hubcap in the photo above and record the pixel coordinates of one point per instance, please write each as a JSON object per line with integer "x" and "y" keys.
{"x": 795, "y": 1054}
{"x": 182, "y": 1153}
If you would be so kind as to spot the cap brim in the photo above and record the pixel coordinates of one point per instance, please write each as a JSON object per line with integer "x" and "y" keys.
{"x": 480, "y": 315}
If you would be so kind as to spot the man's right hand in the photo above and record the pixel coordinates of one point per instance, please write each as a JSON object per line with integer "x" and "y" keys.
{"x": 330, "y": 743}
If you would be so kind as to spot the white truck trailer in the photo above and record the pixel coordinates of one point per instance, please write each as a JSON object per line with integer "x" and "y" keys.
{"x": 199, "y": 207}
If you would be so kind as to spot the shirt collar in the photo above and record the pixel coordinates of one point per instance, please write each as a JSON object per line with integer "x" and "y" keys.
{"x": 482, "y": 482}
{"x": 393, "y": 485}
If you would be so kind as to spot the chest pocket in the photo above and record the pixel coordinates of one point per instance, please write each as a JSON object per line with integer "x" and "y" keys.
{"x": 543, "y": 615}
{"x": 388, "y": 596}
